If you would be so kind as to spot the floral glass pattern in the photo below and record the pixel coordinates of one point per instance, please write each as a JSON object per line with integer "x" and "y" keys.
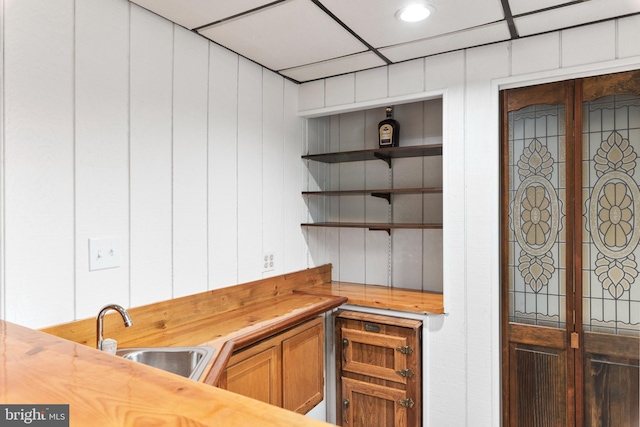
{"x": 537, "y": 291}
{"x": 611, "y": 235}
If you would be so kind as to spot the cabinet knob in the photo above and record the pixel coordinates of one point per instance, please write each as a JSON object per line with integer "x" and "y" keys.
{"x": 345, "y": 344}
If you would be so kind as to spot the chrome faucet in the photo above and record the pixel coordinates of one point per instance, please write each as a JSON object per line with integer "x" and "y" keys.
{"x": 99, "y": 320}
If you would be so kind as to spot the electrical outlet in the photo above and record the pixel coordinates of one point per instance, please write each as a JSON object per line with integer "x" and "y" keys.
{"x": 268, "y": 262}
{"x": 104, "y": 253}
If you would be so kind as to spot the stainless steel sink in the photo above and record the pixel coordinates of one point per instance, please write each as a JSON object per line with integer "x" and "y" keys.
{"x": 186, "y": 361}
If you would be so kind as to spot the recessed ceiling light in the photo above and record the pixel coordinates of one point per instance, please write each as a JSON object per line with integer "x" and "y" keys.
{"x": 415, "y": 12}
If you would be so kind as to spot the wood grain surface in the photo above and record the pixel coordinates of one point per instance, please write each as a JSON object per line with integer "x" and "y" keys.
{"x": 106, "y": 390}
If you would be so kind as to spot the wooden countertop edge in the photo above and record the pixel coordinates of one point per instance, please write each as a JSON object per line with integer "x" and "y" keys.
{"x": 219, "y": 361}
{"x": 381, "y": 297}
{"x": 219, "y": 364}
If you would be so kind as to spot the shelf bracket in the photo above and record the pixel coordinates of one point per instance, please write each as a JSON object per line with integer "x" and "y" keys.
{"x": 386, "y": 196}
{"x": 388, "y": 230}
{"x": 383, "y": 157}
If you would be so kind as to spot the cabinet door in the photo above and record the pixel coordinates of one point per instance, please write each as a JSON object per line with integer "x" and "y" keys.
{"x": 302, "y": 369}
{"x": 255, "y": 373}
{"x": 374, "y": 354}
{"x": 382, "y": 356}
{"x": 372, "y": 405}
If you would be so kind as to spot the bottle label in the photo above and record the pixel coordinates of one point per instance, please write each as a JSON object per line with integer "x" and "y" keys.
{"x": 386, "y": 134}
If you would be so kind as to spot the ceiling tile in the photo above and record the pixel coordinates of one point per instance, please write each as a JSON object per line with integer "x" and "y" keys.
{"x": 519, "y": 7}
{"x": 375, "y": 22}
{"x": 474, "y": 37}
{"x": 334, "y": 67}
{"x": 576, "y": 14}
{"x": 196, "y": 13}
{"x": 272, "y": 38}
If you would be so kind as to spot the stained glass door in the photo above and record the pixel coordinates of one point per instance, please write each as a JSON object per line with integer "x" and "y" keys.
{"x": 610, "y": 251}
{"x": 537, "y": 161}
{"x": 571, "y": 253}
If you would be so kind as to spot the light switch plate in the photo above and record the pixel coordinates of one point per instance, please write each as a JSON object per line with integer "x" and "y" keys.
{"x": 104, "y": 253}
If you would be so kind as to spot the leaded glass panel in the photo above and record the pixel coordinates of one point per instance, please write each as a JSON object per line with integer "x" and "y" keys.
{"x": 611, "y": 215}
{"x": 537, "y": 193}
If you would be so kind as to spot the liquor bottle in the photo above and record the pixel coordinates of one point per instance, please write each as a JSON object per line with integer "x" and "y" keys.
{"x": 389, "y": 130}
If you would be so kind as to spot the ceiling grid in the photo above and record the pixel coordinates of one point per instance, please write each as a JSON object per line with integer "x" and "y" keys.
{"x": 305, "y": 40}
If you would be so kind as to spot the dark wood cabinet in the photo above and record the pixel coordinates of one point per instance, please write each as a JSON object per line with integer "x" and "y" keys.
{"x": 379, "y": 370}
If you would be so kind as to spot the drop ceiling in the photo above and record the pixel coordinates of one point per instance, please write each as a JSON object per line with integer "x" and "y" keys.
{"x": 306, "y": 40}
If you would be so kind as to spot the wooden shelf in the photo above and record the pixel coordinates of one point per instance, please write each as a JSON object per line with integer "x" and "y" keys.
{"x": 426, "y": 190}
{"x": 374, "y": 226}
{"x": 385, "y": 154}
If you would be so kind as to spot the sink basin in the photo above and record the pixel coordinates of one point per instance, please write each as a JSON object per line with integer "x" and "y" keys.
{"x": 185, "y": 361}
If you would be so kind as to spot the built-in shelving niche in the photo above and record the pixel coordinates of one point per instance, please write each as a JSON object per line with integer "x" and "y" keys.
{"x": 376, "y": 214}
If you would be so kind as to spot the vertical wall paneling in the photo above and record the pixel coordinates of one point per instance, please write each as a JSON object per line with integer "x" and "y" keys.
{"x": 447, "y": 72}
{"x": 333, "y": 235}
{"x": 316, "y": 178}
{"x": 250, "y": 152}
{"x": 150, "y": 157}
{"x": 628, "y": 35}
{"x": 223, "y": 167}
{"x": 589, "y": 44}
{"x": 101, "y": 148}
{"x": 432, "y": 204}
{"x": 294, "y": 248}
{"x": 119, "y": 124}
{"x": 272, "y": 171}
{"x": 340, "y": 90}
{"x": 312, "y": 95}
{"x": 538, "y": 53}
{"x": 190, "y": 119}
{"x": 372, "y": 84}
{"x": 408, "y": 173}
{"x": 37, "y": 237}
{"x": 352, "y": 207}
{"x": 377, "y": 176}
{"x": 482, "y": 218}
{"x": 406, "y": 77}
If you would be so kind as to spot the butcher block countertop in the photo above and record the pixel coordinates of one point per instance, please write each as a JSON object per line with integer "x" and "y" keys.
{"x": 59, "y": 365}
{"x": 105, "y": 390}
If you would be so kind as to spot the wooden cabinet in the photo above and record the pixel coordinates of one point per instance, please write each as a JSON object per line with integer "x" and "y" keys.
{"x": 255, "y": 373}
{"x": 286, "y": 370}
{"x": 379, "y": 370}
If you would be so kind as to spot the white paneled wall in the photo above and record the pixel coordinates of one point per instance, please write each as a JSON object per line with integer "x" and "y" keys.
{"x": 101, "y": 88}
{"x": 462, "y": 348}
{"x": 189, "y": 187}
{"x": 121, "y": 124}
{"x": 409, "y": 259}
{"x": 249, "y": 168}
{"x": 223, "y": 166}
{"x": 150, "y": 156}
{"x": 38, "y": 163}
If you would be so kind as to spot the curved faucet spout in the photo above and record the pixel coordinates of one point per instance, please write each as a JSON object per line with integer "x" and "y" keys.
{"x": 100, "y": 319}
